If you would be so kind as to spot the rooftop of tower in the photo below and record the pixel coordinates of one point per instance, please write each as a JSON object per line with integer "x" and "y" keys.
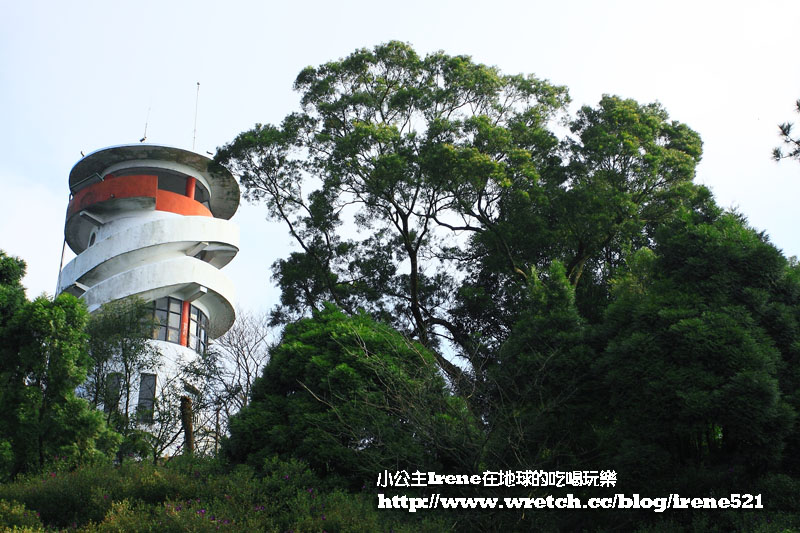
{"x": 224, "y": 190}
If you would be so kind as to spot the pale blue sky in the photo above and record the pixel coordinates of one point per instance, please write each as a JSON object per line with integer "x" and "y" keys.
{"x": 79, "y": 76}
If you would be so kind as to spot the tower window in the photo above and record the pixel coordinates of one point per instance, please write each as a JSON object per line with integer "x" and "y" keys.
{"x": 172, "y": 181}
{"x": 147, "y": 398}
{"x": 113, "y": 388}
{"x": 167, "y": 311}
{"x": 201, "y": 194}
{"x": 168, "y": 180}
{"x": 198, "y": 330}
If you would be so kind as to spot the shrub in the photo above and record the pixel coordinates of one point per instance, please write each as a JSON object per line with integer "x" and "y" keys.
{"x": 196, "y": 495}
{"x": 15, "y": 515}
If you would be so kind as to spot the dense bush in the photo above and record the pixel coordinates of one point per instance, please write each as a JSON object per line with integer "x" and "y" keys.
{"x": 15, "y": 515}
{"x": 352, "y": 397}
{"x": 200, "y": 495}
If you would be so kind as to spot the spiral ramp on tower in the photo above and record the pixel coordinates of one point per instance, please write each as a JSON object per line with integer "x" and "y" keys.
{"x": 152, "y": 221}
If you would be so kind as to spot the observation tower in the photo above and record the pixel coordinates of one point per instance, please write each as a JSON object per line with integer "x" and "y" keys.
{"x": 153, "y": 222}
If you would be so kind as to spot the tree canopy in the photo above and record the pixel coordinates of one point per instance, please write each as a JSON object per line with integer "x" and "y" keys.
{"x": 352, "y": 397}
{"x": 693, "y": 366}
{"x": 586, "y": 301}
{"x": 44, "y": 359}
{"x": 418, "y": 186}
{"x": 409, "y": 143}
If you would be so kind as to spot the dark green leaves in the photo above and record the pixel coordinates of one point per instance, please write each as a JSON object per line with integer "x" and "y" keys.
{"x": 352, "y": 397}
{"x": 791, "y": 142}
{"x": 411, "y": 149}
{"x": 44, "y": 359}
{"x": 690, "y": 366}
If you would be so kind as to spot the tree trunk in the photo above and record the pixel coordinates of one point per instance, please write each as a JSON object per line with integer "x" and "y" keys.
{"x": 188, "y": 431}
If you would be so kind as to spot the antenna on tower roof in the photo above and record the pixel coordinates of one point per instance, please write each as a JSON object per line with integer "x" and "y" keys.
{"x": 146, "y": 120}
{"x": 196, "y": 100}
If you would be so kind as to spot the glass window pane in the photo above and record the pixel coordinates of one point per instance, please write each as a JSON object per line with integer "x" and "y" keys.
{"x": 173, "y": 335}
{"x": 147, "y": 396}
{"x": 174, "y": 305}
{"x": 174, "y": 320}
{"x": 171, "y": 181}
{"x": 161, "y": 303}
{"x": 161, "y": 316}
{"x": 113, "y": 387}
{"x": 200, "y": 192}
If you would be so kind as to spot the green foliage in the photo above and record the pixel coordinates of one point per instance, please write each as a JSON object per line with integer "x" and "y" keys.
{"x": 455, "y": 174}
{"x": 12, "y": 270}
{"x": 118, "y": 343}
{"x": 44, "y": 359}
{"x": 630, "y": 167}
{"x": 14, "y": 515}
{"x": 203, "y": 495}
{"x": 691, "y": 370}
{"x": 194, "y": 495}
{"x": 120, "y": 348}
{"x": 403, "y": 144}
{"x": 351, "y": 398}
{"x": 608, "y": 312}
{"x": 791, "y": 142}
{"x": 541, "y": 378}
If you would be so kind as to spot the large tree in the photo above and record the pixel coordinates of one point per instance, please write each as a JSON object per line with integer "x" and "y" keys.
{"x": 541, "y": 382}
{"x": 608, "y": 312}
{"x": 352, "y": 397}
{"x": 412, "y": 145}
{"x": 454, "y": 174}
{"x": 700, "y": 352}
{"x": 44, "y": 358}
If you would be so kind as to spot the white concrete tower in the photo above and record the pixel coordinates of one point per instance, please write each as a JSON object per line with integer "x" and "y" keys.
{"x": 152, "y": 221}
